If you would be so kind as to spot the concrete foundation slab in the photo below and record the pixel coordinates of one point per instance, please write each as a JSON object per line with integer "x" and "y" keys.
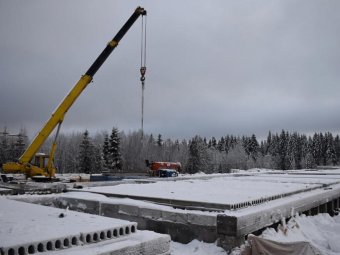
{"x": 228, "y": 192}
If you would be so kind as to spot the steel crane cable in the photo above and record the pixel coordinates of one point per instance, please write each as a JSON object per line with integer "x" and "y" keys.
{"x": 143, "y": 67}
{"x": 143, "y": 50}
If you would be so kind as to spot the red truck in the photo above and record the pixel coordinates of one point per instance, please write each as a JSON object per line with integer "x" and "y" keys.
{"x": 163, "y": 169}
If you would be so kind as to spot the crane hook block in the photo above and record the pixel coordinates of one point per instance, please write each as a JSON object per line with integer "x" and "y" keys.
{"x": 142, "y": 72}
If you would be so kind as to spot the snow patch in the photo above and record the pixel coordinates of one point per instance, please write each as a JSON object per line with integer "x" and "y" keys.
{"x": 196, "y": 247}
{"x": 322, "y": 231}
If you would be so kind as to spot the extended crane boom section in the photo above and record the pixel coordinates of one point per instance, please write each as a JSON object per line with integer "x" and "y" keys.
{"x": 114, "y": 42}
{"x": 58, "y": 115}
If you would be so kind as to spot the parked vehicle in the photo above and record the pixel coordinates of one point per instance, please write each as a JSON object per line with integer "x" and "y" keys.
{"x": 166, "y": 173}
{"x": 169, "y": 169}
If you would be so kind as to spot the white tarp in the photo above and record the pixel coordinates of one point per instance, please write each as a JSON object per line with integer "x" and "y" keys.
{"x": 261, "y": 246}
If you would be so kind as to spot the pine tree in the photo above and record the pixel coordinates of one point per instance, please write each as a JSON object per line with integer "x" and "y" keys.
{"x": 227, "y": 143}
{"x": 323, "y": 143}
{"x": 263, "y": 148}
{"x": 337, "y": 148}
{"x": 253, "y": 147}
{"x": 3, "y": 150}
{"x": 114, "y": 150}
{"x": 275, "y": 145}
{"x": 86, "y": 155}
{"x": 159, "y": 140}
{"x": 106, "y": 154}
{"x": 151, "y": 140}
{"x": 330, "y": 156}
{"x": 304, "y": 141}
{"x": 209, "y": 144}
{"x": 299, "y": 151}
{"x": 295, "y": 151}
{"x": 282, "y": 152}
{"x": 213, "y": 142}
{"x": 198, "y": 156}
{"x": 309, "y": 158}
{"x": 317, "y": 149}
{"x": 269, "y": 147}
{"x": 205, "y": 141}
{"x": 19, "y": 146}
{"x": 98, "y": 162}
{"x": 233, "y": 142}
{"x": 221, "y": 144}
{"x": 12, "y": 152}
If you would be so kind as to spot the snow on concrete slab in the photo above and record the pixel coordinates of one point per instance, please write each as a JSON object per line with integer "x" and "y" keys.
{"x": 302, "y": 198}
{"x": 297, "y": 178}
{"x": 222, "y": 190}
{"x": 26, "y": 226}
{"x": 142, "y": 243}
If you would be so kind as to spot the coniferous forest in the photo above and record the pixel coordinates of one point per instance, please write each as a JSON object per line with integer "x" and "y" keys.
{"x": 120, "y": 152}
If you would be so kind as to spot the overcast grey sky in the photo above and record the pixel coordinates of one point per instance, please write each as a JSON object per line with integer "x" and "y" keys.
{"x": 214, "y": 67}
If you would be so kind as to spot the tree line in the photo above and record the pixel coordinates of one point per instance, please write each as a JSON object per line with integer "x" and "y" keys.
{"x": 120, "y": 152}
{"x": 282, "y": 151}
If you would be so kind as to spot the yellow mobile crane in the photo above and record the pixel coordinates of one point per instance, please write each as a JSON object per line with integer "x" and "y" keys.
{"x": 38, "y": 164}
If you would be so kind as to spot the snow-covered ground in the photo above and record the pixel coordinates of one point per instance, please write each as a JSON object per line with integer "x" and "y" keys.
{"x": 196, "y": 248}
{"x": 322, "y": 231}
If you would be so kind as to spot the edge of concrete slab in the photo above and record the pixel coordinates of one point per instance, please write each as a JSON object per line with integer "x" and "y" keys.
{"x": 143, "y": 242}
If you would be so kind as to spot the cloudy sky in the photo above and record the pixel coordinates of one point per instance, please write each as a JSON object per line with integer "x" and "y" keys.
{"x": 214, "y": 67}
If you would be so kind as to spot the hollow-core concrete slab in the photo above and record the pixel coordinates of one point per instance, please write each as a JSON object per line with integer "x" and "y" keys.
{"x": 29, "y": 229}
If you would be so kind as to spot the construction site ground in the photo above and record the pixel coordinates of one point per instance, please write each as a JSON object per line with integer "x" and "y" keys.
{"x": 204, "y": 207}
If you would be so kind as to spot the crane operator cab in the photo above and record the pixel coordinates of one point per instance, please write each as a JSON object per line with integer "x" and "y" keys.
{"x": 41, "y": 160}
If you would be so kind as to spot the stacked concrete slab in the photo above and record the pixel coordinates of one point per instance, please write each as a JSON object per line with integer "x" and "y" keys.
{"x": 30, "y": 229}
{"x": 142, "y": 242}
{"x": 4, "y": 191}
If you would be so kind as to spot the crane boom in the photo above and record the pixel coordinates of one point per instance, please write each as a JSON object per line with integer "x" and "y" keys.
{"x": 58, "y": 115}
